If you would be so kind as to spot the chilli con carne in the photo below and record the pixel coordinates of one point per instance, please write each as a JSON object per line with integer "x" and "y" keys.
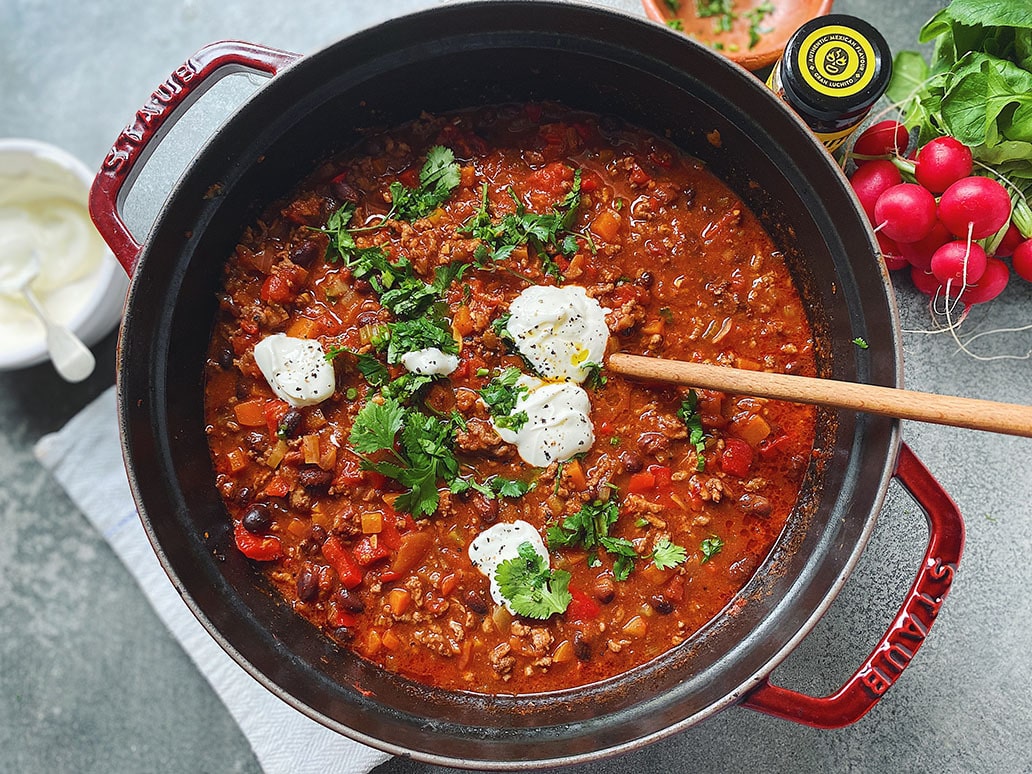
{"x": 370, "y": 395}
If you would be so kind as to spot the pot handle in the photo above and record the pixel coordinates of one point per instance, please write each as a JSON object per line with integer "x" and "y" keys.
{"x": 166, "y": 105}
{"x": 907, "y": 631}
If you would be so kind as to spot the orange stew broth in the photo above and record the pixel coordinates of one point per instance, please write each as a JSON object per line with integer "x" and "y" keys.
{"x": 686, "y": 271}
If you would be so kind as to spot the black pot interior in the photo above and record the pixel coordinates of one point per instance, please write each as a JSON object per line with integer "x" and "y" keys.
{"x": 445, "y": 59}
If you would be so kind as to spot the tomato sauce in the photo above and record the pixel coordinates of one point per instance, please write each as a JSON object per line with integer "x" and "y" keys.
{"x": 684, "y": 271}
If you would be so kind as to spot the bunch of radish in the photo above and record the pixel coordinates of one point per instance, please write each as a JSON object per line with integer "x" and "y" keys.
{"x": 930, "y": 214}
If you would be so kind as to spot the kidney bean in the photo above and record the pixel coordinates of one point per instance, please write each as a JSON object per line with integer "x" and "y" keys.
{"x": 305, "y": 253}
{"x": 475, "y": 601}
{"x": 632, "y": 461}
{"x": 344, "y": 191}
{"x": 755, "y": 505}
{"x": 349, "y": 600}
{"x": 307, "y": 584}
{"x": 315, "y": 478}
{"x": 290, "y": 424}
{"x": 661, "y": 604}
{"x": 581, "y": 647}
{"x": 604, "y": 590}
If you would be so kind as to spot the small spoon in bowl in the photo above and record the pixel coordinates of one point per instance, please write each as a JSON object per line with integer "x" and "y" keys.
{"x": 71, "y": 358}
{"x": 976, "y": 414}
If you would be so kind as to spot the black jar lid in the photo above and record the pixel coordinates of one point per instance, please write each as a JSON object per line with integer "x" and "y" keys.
{"x": 835, "y": 65}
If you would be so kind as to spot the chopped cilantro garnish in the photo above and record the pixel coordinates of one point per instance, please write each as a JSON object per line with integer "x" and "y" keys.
{"x": 595, "y": 379}
{"x": 589, "y": 528}
{"x": 500, "y": 395}
{"x": 493, "y": 488}
{"x": 531, "y": 589}
{"x": 861, "y": 342}
{"x": 420, "y": 333}
{"x": 696, "y": 436}
{"x": 437, "y": 179}
{"x": 422, "y": 456}
{"x": 668, "y": 555}
{"x": 711, "y": 546}
{"x": 675, "y": 24}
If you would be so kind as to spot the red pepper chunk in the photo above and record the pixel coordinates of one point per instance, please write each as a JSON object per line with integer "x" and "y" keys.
{"x": 736, "y": 458}
{"x": 641, "y": 483}
{"x": 366, "y": 552}
{"x": 340, "y": 559}
{"x": 662, "y": 476}
{"x": 582, "y": 607}
{"x": 261, "y": 549}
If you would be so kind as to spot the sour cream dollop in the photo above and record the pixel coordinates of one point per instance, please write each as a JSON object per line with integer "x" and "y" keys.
{"x": 501, "y": 542}
{"x": 296, "y": 369}
{"x": 558, "y": 422}
{"x": 559, "y": 330}
{"x": 430, "y": 362}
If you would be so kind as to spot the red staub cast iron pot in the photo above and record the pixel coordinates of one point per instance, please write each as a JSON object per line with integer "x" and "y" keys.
{"x": 459, "y": 56}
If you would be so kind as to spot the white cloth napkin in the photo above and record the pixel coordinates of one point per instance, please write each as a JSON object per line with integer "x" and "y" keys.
{"x": 85, "y": 457}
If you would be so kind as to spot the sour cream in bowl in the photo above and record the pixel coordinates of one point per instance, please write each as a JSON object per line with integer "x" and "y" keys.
{"x": 43, "y": 194}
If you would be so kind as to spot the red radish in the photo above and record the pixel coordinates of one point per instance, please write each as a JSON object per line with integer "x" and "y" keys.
{"x": 872, "y": 180}
{"x": 1021, "y": 260}
{"x": 925, "y": 281}
{"x": 978, "y": 203}
{"x": 941, "y": 163}
{"x": 990, "y": 286}
{"x": 959, "y": 262}
{"x": 890, "y": 253}
{"x": 885, "y": 138}
{"x": 919, "y": 253}
{"x": 1011, "y": 239}
{"x": 905, "y": 212}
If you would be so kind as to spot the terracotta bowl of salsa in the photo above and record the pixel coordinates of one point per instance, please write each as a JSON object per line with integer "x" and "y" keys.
{"x": 365, "y": 411}
{"x": 752, "y": 33}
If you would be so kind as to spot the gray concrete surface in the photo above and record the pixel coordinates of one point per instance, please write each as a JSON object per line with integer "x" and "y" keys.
{"x": 91, "y": 682}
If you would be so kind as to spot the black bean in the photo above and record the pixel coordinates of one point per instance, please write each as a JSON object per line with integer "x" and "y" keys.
{"x": 290, "y": 424}
{"x": 632, "y": 461}
{"x": 258, "y": 519}
{"x": 305, "y": 253}
{"x": 342, "y": 634}
{"x": 315, "y": 478}
{"x": 225, "y": 358}
{"x": 581, "y": 647}
{"x": 243, "y": 495}
{"x": 645, "y": 280}
{"x": 307, "y": 584}
{"x": 349, "y": 600}
{"x": 313, "y": 541}
{"x": 661, "y": 604}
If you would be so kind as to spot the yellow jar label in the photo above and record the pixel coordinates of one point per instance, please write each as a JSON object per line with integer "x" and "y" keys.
{"x": 832, "y": 140}
{"x": 836, "y": 61}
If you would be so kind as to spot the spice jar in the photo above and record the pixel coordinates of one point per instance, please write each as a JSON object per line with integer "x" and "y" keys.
{"x": 832, "y": 72}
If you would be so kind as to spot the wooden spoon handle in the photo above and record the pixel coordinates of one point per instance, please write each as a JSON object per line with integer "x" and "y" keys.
{"x": 1007, "y": 418}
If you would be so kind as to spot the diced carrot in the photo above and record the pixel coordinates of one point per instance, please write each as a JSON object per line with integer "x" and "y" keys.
{"x": 399, "y": 599}
{"x": 656, "y": 576}
{"x": 641, "y": 483}
{"x": 373, "y": 642}
{"x": 250, "y": 413}
{"x": 372, "y": 522}
{"x": 563, "y": 652}
{"x": 607, "y": 225}
{"x": 303, "y": 328}
{"x": 574, "y": 471}
{"x": 463, "y": 321}
{"x": 236, "y": 460}
{"x": 390, "y": 640}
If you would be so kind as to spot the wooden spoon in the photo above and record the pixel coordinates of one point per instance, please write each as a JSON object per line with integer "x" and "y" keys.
{"x": 972, "y": 413}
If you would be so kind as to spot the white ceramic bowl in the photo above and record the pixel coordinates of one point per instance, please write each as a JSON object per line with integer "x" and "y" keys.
{"x": 100, "y": 311}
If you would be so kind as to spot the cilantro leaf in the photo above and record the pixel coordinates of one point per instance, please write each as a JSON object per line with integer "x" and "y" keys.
{"x": 376, "y": 425}
{"x": 667, "y": 555}
{"x": 689, "y": 414}
{"x": 589, "y": 528}
{"x": 373, "y": 370}
{"x": 595, "y": 378}
{"x": 422, "y": 449}
{"x": 531, "y": 589}
{"x": 439, "y": 176}
{"x": 510, "y": 487}
{"x": 500, "y": 395}
{"x": 710, "y": 547}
